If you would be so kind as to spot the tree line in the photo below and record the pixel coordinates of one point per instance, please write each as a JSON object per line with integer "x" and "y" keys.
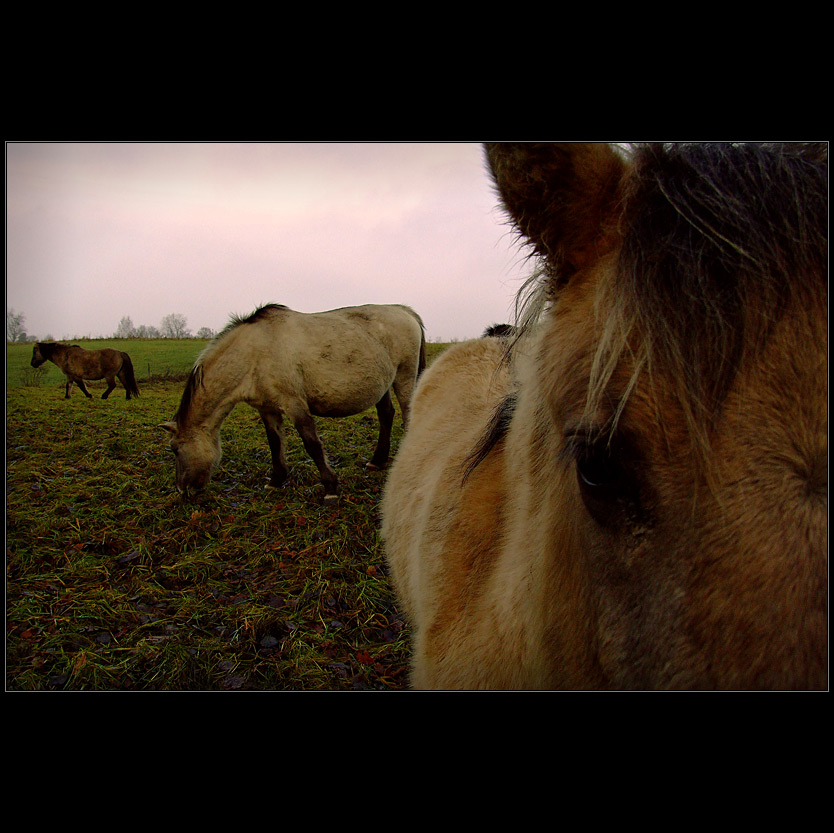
{"x": 174, "y": 325}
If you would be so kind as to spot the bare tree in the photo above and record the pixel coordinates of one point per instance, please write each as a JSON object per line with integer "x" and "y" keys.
{"x": 174, "y": 326}
{"x": 15, "y": 324}
{"x": 205, "y": 332}
{"x": 125, "y": 328}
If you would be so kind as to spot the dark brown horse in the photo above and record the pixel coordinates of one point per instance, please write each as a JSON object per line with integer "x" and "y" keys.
{"x": 637, "y": 497}
{"x": 79, "y": 364}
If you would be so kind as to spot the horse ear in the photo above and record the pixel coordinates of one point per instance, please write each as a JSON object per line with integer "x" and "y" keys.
{"x": 563, "y": 197}
{"x": 169, "y": 426}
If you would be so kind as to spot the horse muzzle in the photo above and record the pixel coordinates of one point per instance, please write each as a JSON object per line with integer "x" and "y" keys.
{"x": 191, "y": 486}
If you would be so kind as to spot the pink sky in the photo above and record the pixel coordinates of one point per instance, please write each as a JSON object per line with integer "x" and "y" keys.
{"x": 98, "y": 231}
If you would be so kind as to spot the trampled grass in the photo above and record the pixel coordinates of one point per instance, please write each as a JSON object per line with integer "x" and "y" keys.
{"x": 113, "y": 582}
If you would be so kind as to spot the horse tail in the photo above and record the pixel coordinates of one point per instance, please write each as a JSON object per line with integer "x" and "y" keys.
{"x": 129, "y": 379}
{"x": 421, "y": 359}
{"x": 421, "y": 364}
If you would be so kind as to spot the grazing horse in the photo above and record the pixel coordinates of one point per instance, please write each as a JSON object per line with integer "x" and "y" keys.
{"x": 298, "y": 365}
{"x": 636, "y": 496}
{"x": 79, "y": 364}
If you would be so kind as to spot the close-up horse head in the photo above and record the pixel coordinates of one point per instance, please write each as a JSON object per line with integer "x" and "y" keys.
{"x": 636, "y": 494}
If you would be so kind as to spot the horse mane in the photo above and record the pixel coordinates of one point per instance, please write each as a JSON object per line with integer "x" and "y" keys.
{"x": 265, "y": 311}
{"x": 195, "y": 377}
{"x": 499, "y": 331}
{"x": 47, "y": 348}
{"x": 717, "y": 240}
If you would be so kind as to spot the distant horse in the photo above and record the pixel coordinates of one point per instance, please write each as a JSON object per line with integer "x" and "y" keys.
{"x": 79, "y": 364}
{"x": 636, "y": 498}
{"x": 298, "y": 365}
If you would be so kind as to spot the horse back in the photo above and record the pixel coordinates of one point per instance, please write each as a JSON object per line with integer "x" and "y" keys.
{"x": 398, "y": 328}
{"x": 93, "y": 364}
{"x": 338, "y": 362}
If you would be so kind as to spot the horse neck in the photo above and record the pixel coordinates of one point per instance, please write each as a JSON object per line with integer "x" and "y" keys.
{"x": 57, "y": 354}
{"x": 223, "y": 382}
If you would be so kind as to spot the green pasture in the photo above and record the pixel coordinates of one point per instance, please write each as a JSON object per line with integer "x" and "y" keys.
{"x": 113, "y": 582}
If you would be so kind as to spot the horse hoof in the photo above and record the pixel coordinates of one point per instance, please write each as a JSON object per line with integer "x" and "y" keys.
{"x": 373, "y": 467}
{"x": 330, "y": 499}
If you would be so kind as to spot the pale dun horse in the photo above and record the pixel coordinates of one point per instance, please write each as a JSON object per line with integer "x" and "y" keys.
{"x": 635, "y": 497}
{"x": 298, "y": 365}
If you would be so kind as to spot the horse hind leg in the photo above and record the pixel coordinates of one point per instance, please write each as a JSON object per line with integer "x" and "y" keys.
{"x": 404, "y": 386}
{"x": 111, "y": 386}
{"x": 306, "y": 428}
{"x": 385, "y": 412}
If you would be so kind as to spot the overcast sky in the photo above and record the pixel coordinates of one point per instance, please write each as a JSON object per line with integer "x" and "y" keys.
{"x": 98, "y": 231}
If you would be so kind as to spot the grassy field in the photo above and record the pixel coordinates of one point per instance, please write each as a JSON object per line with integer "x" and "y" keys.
{"x": 114, "y": 583}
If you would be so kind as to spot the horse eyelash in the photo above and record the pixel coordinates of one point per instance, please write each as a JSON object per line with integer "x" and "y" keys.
{"x": 581, "y": 441}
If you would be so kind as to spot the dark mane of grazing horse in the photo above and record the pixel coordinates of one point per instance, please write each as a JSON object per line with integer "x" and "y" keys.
{"x": 499, "y": 331}
{"x": 196, "y": 375}
{"x": 47, "y": 348}
{"x": 717, "y": 240}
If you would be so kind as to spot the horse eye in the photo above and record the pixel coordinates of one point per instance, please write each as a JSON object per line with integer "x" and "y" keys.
{"x": 597, "y": 472}
{"x": 606, "y": 484}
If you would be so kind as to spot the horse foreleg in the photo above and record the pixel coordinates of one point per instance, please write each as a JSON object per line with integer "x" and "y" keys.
{"x": 310, "y": 437}
{"x": 81, "y": 385}
{"x": 385, "y": 412}
{"x": 275, "y": 438}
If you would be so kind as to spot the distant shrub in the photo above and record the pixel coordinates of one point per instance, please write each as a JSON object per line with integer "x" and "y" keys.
{"x": 33, "y": 377}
